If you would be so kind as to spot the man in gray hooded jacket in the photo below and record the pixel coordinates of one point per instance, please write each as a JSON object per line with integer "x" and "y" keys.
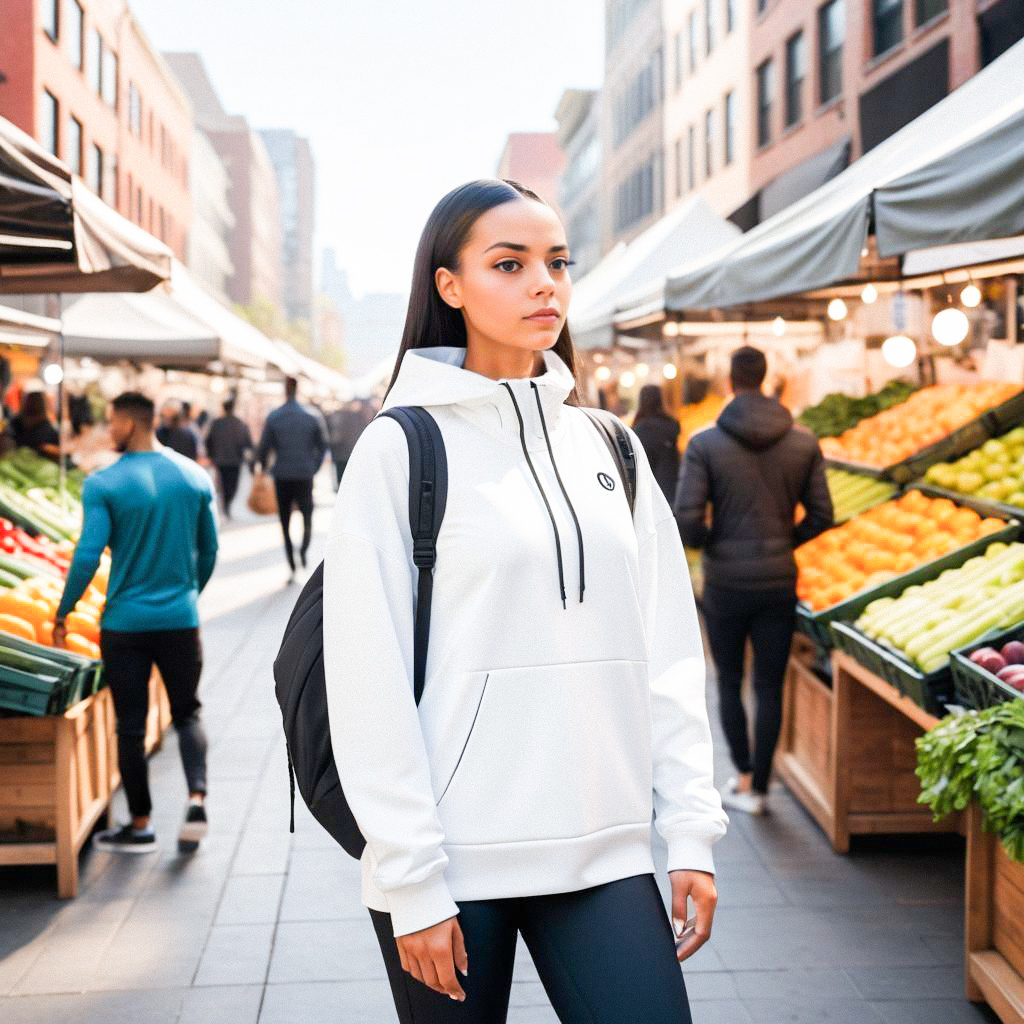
{"x": 754, "y": 468}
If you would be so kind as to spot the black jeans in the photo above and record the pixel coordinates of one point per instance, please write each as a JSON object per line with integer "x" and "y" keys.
{"x": 606, "y": 955}
{"x": 128, "y": 660}
{"x": 768, "y": 618}
{"x": 297, "y": 494}
{"x": 228, "y": 485}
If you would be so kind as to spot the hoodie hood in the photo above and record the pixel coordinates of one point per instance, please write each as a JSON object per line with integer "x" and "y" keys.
{"x": 755, "y": 420}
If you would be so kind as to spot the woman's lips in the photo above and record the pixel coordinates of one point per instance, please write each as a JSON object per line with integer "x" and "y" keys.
{"x": 544, "y": 318}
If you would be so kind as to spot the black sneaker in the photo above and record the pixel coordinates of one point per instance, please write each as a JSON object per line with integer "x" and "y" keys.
{"x": 193, "y": 829}
{"x": 126, "y": 839}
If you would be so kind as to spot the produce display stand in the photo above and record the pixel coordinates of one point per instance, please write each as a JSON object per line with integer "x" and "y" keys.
{"x": 994, "y": 924}
{"x": 57, "y": 776}
{"x": 847, "y": 751}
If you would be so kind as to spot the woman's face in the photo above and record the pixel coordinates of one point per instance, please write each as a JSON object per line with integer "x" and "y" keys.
{"x": 514, "y": 264}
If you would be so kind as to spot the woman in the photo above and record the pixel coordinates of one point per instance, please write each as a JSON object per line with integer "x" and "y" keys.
{"x": 32, "y": 427}
{"x": 564, "y": 695}
{"x": 659, "y": 434}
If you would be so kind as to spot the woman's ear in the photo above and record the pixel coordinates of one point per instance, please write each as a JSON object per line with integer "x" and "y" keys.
{"x": 448, "y": 287}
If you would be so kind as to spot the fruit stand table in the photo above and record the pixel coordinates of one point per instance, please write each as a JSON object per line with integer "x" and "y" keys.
{"x": 847, "y": 750}
{"x": 994, "y": 919}
{"x": 57, "y": 775}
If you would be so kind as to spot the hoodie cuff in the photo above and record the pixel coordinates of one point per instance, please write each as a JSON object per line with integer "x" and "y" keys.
{"x": 690, "y": 853}
{"x": 415, "y": 907}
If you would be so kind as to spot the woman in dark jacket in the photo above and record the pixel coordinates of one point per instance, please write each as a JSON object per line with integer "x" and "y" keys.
{"x": 32, "y": 427}
{"x": 659, "y": 434}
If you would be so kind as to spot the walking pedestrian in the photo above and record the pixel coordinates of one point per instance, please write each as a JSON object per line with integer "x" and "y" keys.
{"x": 754, "y": 467}
{"x": 564, "y": 693}
{"x": 659, "y": 434}
{"x": 228, "y": 444}
{"x": 172, "y": 433}
{"x": 154, "y": 509}
{"x": 194, "y": 428}
{"x": 344, "y": 426}
{"x": 33, "y": 428}
{"x": 297, "y": 438}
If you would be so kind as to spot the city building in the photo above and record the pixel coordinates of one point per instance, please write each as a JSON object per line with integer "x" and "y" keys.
{"x": 209, "y": 257}
{"x": 831, "y": 79}
{"x": 579, "y": 187}
{"x": 708, "y": 147}
{"x": 255, "y": 237}
{"x": 292, "y": 158}
{"x": 535, "y": 160}
{"x": 81, "y": 77}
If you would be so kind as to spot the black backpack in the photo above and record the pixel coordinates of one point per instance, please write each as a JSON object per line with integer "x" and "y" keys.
{"x": 299, "y": 666}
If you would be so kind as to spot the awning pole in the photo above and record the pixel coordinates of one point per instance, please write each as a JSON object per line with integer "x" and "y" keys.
{"x": 60, "y": 403}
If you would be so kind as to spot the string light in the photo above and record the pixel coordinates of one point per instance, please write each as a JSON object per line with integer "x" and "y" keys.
{"x": 778, "y": 327}
{"x": 669, "y": 371}
{"x": 950, "y": 326}
{"x": 642, "y": 370}
{"x": 53, "y": 374}
{"x": 602, "y": 373}
{"x": 628, "y": 379}
{"x": 899, "y": 351}
{"x": 670, "y": 329}
{"x": 869, "y": 294}
{"x": 971, "y": 296}
{"x": 837, "y": 310}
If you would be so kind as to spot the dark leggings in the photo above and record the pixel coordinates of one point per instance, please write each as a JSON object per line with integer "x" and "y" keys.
{"x": 605, "y": 955}
{"x": 298, "y": 494}
{"x": 228, "y": 485}
{"x": 767, "y": 617}
{"x": 128, "y": 660}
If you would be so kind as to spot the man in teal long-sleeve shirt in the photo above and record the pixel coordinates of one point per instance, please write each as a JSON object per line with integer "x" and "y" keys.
{"x": 154, "y": 509}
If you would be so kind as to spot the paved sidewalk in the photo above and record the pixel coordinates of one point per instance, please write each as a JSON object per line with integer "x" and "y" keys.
{"x": 265, "y": 927}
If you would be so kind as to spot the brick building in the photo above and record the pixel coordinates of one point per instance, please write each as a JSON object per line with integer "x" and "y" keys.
{"x": 81, "y": 77}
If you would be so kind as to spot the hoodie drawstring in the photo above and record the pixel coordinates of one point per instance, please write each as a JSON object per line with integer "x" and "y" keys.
{"x": 547, "y": 504}
{"x": 558, "y": 477}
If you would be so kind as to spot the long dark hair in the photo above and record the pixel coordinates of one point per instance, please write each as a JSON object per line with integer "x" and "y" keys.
{"x": 651, "y": 403}
{"x": 430, "y": 322}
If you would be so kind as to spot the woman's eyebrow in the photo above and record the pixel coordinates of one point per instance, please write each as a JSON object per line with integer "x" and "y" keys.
{"x": 523, "y": 248}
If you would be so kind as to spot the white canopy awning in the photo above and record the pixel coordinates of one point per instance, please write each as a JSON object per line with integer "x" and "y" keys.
{"x": 954, "y": 174}
{"x": 27, "y": 329}
{"x": 57, "y": 236}
{"x": 688, "y": 231}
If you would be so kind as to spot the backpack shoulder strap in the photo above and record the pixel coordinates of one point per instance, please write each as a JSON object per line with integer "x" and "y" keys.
{"x": 428, "y": 494}
{"x": 620, "y": 444}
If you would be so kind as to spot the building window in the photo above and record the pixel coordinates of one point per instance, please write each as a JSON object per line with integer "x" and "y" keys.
{"x": 111, "y": 185}
{"x": 730, "y": 15}
{"x": 709, "y": 26}
{"x": 831, "y": 35}
{"x": 679, "y": 60}
{"x": 74, "y": 148}
{"x": 679, "y": 166}
{"x": 640, "y": 96}
{"x": 765, "y": 88}
{"x": 163, "y": 224}
{"x": 96, "y": 168}
{"x": 709, "y": 143}
{"x": 49, "y": 131}
{"x": 138, "y": 206}
{"x": 95, "y": 62}
{"x": 76, "y": 33}
{"x": 887, "y": 20}
{"x": 691, "y": 158}
{"x": 134, "y": 110}
{"x": 729, "y": 127}
{"x": 636, "y": 197}
{"x": 110, "y": 78}
{"x": 925, "y": 10}
{"x": 796, "y": 71}
{"x": 691, "y": 32}
{"x": 49, "y": 15}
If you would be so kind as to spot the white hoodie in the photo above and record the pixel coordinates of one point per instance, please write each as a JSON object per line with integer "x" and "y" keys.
{"x": 549, "y": 729}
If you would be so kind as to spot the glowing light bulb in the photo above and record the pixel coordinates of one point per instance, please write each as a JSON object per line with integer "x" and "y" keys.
{"x": 602, "y": 373}
{"x": 950, "y": 326}
{"x": 971, "y": 296}
{"x": 670, "y": 329}
{"x": 628, "y": 379}
{"x": 899, "y": 351}
{"x": 53, "y": 374}
{"x": 669, "y": 371}
{"x": 778, "y": 327}
{"x": 642, "y": 370}
{"x": 837, "y": 310}
{"x": 869, "y": 294}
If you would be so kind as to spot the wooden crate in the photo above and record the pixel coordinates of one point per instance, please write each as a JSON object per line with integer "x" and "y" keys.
{"x": 57, "y": 775}
{"x": 994, "y": 920}
{"x": 847, "y": 753}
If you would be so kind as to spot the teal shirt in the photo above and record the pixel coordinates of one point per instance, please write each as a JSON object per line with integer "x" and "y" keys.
{"x": 155, "y": 511}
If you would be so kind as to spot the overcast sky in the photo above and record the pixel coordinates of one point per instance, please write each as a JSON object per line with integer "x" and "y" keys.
{"x": 401, "y": 99}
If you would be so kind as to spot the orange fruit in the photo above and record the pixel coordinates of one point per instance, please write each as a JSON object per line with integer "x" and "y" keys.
{"x": 17, "y": 627}
{"x": 79, "y": 644}
{"x": 84, "y": 625}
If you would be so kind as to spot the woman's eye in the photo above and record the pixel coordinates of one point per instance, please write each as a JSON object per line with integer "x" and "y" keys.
{"x": 508, "y": 263}
{"x": 566, "y": 264}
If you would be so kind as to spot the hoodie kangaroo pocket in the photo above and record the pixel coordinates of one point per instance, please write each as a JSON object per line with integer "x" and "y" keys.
{"x": 554, "y": 752}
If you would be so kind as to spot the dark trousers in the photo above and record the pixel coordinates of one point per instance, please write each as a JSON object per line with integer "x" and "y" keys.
{"x": 295, "y": 494}
{"x": 340, "y": 462}
{"x": 228, "y": 476}
{"x": 128, "y": 660}
{"x": 768, "y": 618}
{"x": 606, "y": 955}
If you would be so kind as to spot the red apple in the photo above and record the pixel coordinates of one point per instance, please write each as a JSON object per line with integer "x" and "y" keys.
{"x": 1013, "y": 653}
{"x": 989, "y": 659}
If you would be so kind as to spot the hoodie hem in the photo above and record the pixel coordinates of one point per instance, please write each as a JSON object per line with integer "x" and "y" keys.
{"x": 536, "y": 867}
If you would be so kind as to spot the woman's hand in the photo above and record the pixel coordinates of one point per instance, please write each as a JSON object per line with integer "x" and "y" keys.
{"x": 431, "y": 956}
{"x": 701, "y": 886}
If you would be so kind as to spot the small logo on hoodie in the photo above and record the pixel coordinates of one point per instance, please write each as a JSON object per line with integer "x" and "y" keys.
{"x": 606, "y": 481}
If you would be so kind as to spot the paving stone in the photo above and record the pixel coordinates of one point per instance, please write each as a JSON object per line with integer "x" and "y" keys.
{"x": 886, "y": 983}
{"x": 354, "y": 1002}
{"x": 236, "y": 955}
{"x": 312, "y": 951}
{"x": 250, "y": 899}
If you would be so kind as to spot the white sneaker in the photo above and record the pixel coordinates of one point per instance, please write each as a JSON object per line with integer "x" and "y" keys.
{"x": 749, "y": 803}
